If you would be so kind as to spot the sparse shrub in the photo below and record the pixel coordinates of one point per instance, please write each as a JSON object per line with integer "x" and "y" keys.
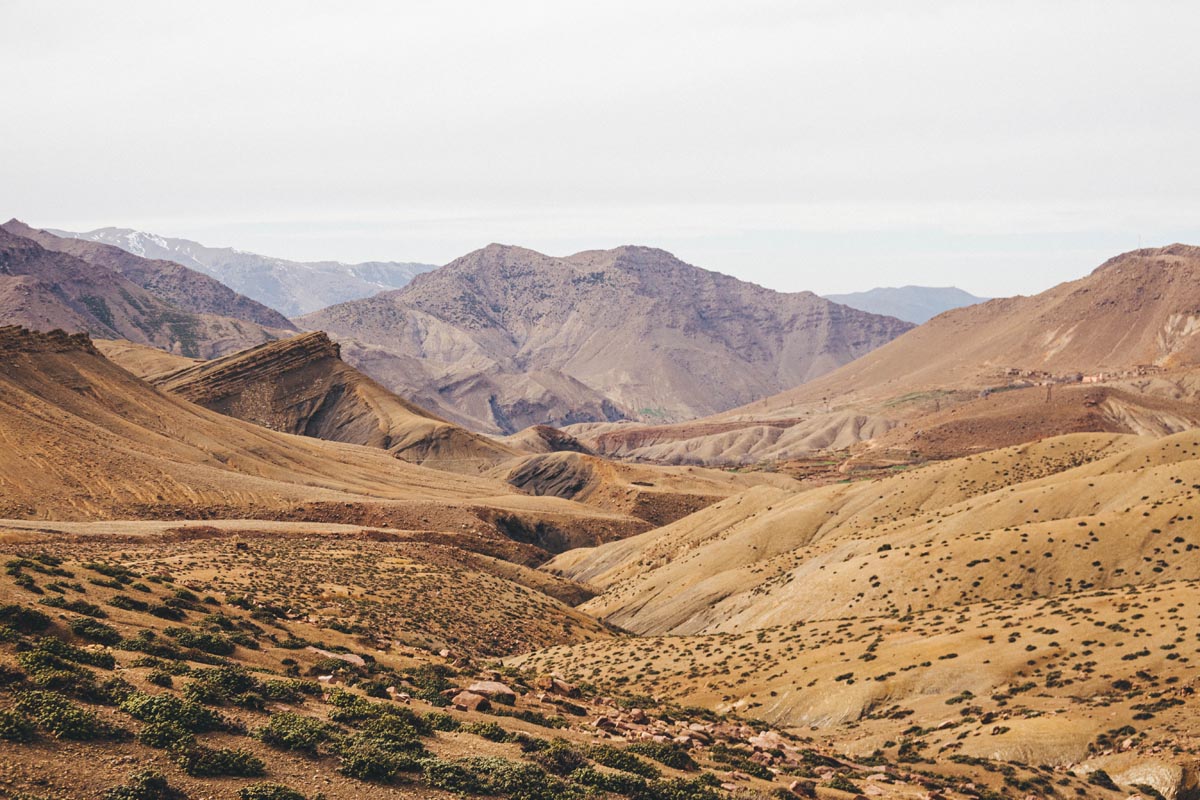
{"x": 289, "y": 731}
{"x": 95, "y": 631}
{"x": 15, "y": 727}
{"x": 205, "y": 762}
{"x": 614, "y": 783}
{"x": 24, "y": 619}
{"x": 187, "y": 714}
{"x": 666, "y": 753}
{"x": 160, "y": 677}
{"x": 844, "y": 784}
{"x": 62, "y": 719}
{"x": 289, "y": 691}
{"x": 268, "y": 791}
{"x": 441, "y": 721}
{"x": 127, "y": 603}
{"x": 450, "y": 776}
{"x": 165, "y": 735}
{"x": 559, "y": 758}
{"x": 615, "y": 758}
{"x": 214, "y": 643}
{"x": 488, "y": 730}
{"x": 145, "y": 785}
{"x": 367, "y": 759}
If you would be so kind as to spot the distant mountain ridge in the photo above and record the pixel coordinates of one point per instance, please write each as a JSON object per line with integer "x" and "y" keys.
{"x": 177, "y": 284}
{"x": 504, "y": 338}
{"x": 916, "y": 304}
{"x": 292, "y": 288}
{"x": 43, "y": 288}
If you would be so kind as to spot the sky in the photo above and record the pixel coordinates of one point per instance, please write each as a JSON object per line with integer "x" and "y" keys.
{"x": 800, "y": 144}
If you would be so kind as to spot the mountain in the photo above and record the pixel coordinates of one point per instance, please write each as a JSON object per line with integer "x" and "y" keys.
{"x": 1119, "y": 347}
{"x": 509, "y": 338}
{"x": 290, "y": 287}
{"x": 183, "y": 288}
{"x": 916, "y": 304}
{"x": 86, "y": 440}
{"x": 46, "y": 289}
{"x": 302, "y": 386}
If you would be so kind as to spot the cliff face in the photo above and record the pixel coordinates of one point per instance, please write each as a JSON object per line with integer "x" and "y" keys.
{"x": 301, "y": 386}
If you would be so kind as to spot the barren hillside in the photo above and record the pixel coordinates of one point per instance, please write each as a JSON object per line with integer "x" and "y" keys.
{"x": 509, "y": 338}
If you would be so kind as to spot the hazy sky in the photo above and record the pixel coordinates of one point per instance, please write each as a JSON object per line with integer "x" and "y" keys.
{"x": 832, "y": 146}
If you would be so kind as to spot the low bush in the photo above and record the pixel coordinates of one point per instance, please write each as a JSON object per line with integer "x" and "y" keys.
{"x": 205, "y": 762}
{"x": 62, "y": 719}
{"x": 290, "y": 731}
{"x": 23, "y": 618}
{"x": 366, "y": 759}
{"x": 615, "y": 758}
{"x": 667, "y": 754}
{"x": 145, "y": 785}
{"x": 268, "y": 791}
{"x": 15, "y": 727}
{"x": 95, "y": 631}
{"x": 488, "y": 730}
{"x": 187, "y": 714}
{"x": 559, "y": 758}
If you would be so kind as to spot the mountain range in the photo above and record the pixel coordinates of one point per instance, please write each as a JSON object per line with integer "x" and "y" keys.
{"x": 1112, "y": 351}
{"x": 505, "y": 337}
{"x": 292, "y": 288}
{"x": 953, "y": 560}
{"x": 47, "y": 282}
{"x": 916, "y": 304}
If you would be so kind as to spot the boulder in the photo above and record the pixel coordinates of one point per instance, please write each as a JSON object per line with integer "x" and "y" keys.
{"x": 494, "y": 691}
{"x": 471, "y": 701}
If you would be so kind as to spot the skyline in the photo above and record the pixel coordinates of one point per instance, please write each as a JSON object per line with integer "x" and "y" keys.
{"x": 798, "y": 146}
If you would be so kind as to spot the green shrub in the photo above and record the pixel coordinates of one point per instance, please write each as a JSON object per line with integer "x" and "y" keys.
{"x": 450, "y": 776}
{"x": 24, "y": 619}
{"x": 289, "y": 731}
{"x": 289, "y": 691}
{"x": 739, "y": 761}
{"x": 187, "y": 714}
{"x": 127, "y": 603}
{"x": 614, "y": 783}
{"x": 62, "y": 719}
{"x": 366, "y": 759}
{"x": 47, "y": 671}
{"x": 95, "y": 631}
{"x": 166, "y": 736}
{"x": 518, "y": 780}
{"x": 683, "y": 789}
{"x": 145, "y": 785}
{"x": 15, "y": 727}
{"x": 228, "y": 684}
{"x": 488, "y": 730}
{"x": 559, "y": 758}
{"x": 204, "y": 762}
{"x": 842, "y": 783}
{"x": 666, "y": 753}
{"x": 215, "y": 643}
{"x": 268, "y": 791}
{"x": 623, "y": 760}
{"x": 78, "y": 606}
{"x": 80, "y": 655}
{"x": 160, "y": 677}
{"x": 441, "y": 721}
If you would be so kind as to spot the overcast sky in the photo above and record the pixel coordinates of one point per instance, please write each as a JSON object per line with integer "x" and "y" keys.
{"x": 833, "y": 146}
